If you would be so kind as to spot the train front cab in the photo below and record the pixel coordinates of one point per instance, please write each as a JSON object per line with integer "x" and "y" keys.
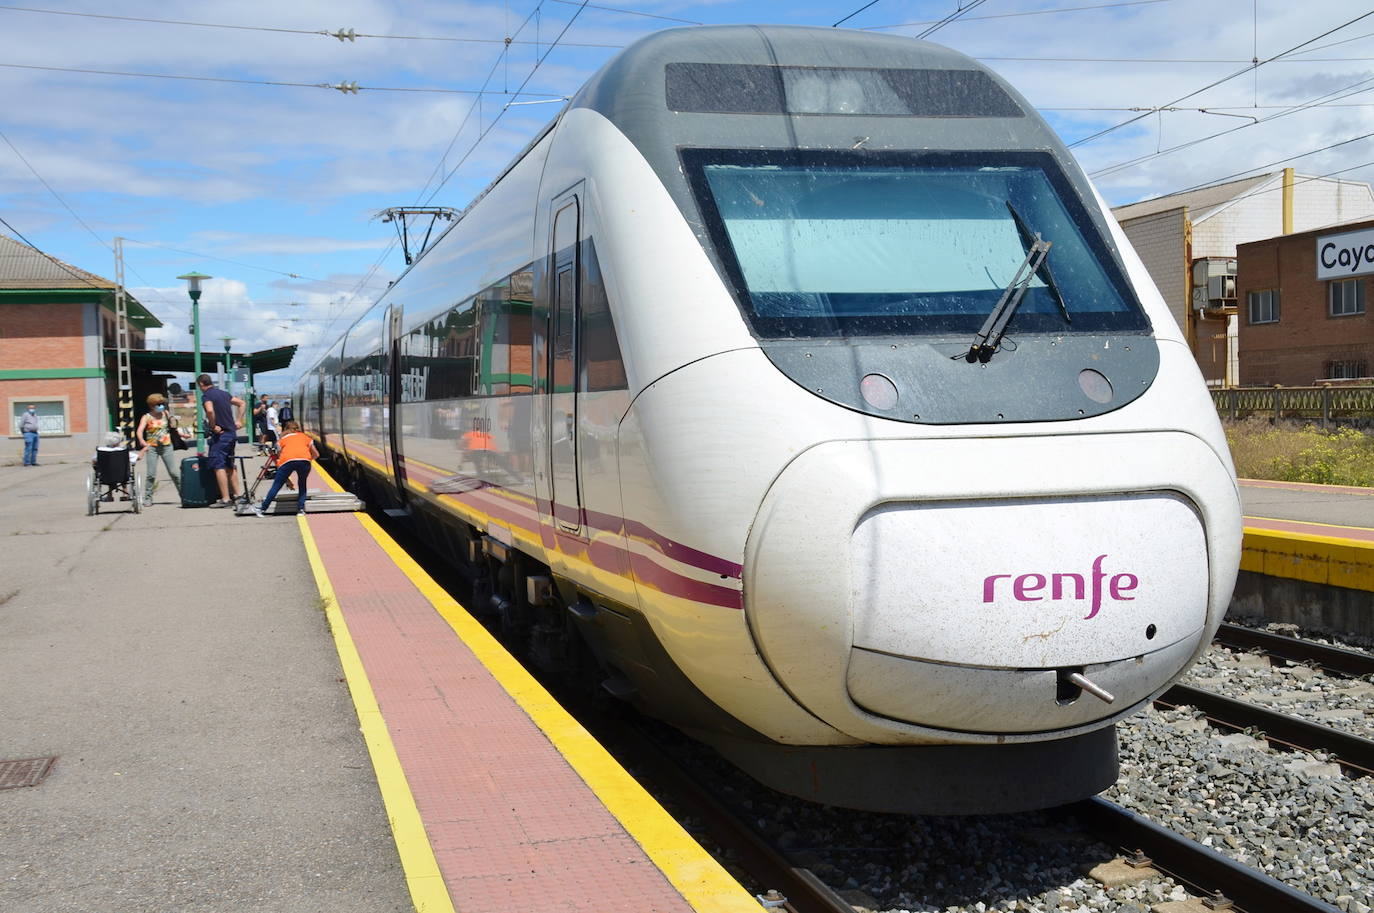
{"x": 975, "y": 557}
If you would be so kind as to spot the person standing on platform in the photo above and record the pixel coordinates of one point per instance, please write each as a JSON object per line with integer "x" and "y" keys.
{"x": 260, "y": 422}
{"x": 284, "y": 414}
{"x": 273, "y": 423}
{"x": 154, "y": 436}
{"x": 28, "y": 426}
{"x": 223, "y": 419}
{"x": 294, "y": 453}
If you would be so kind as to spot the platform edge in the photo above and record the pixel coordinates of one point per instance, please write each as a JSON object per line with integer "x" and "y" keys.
{"x": 423, "y": 877}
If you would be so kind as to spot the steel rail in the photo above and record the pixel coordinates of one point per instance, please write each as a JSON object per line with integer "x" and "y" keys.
{"x": 1200, "y": 868}
{"x": 804, "y": 892}
{"x": 1293, "y": 649}
{"x": 1354, "y": 753}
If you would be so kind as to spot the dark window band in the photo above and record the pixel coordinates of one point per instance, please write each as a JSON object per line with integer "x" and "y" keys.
{"x": 734, "y": 88}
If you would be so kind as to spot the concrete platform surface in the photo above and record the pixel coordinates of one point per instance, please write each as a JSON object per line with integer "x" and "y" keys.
{"x": 179, "y": 665}
{"x": 1334, "y": 505}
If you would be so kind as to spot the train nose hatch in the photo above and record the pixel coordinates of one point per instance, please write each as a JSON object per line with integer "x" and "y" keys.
{"x": 1023, "y": 615}
{"x": 1072, "y": 684}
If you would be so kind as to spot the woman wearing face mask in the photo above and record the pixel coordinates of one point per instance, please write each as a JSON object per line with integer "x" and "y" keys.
{"x": 154, "y": 436}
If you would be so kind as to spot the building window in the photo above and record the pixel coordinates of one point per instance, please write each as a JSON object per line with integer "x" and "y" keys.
{"x": 52, "y": 415}
{"x": 1346, "y": 370}
{"x": 1346, "y": 297}
{"x": 1264, "y": 306}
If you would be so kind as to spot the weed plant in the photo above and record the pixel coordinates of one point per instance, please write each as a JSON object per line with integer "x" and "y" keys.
{"x": 1262, "y": 450}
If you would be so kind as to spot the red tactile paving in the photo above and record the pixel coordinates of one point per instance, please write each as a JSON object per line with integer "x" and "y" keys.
{"x": 512, "y": 825}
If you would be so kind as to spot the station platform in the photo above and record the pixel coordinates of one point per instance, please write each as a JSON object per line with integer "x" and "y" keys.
{"x": 286, "y": 714}
{"x": 1322, "y": 534}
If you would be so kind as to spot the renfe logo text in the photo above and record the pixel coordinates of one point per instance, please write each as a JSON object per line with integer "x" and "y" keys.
{"x": 1037, "y": 587}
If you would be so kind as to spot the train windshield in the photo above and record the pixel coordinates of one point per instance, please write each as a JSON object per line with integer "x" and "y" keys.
{"x": 867, "y": 244}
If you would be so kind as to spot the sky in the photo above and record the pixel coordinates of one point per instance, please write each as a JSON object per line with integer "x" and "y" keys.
{"x": 214, "y": 137}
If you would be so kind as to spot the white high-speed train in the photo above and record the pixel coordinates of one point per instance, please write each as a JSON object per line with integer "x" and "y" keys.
{"x": 798, "y": 381}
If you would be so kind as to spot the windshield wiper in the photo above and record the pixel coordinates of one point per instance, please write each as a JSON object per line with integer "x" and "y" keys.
{"x": 1045, "y": 273}
{"x": 989, "y": 337}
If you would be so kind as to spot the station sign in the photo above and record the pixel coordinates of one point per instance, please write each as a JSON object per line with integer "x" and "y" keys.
{"x": 1345, "y": 255}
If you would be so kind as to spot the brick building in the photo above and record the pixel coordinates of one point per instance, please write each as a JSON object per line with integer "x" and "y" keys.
{"x": 1303, "y": 306}
{"x": 56, "y": 321}
{"x": 1188, "y": 243}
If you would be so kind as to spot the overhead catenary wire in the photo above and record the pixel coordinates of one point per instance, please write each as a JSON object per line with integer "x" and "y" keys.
{"x": 853, "y": 14}
{"x": 499, "y": 114}
{"x": 1224, "y": 79}
{"x": 1236, "y": 175}
{"x": 1316, "y": 102}
{"x": 265, "y": 269}
{"x": 1165, "y": 60}
{"x": 503, "y": 57}
{"x": 1215, "y": 109}
{"x": 628, "y": 12}
{"x": 339, "y": 34}
{"x": 957, "y": 14}
{"x": 347, "y": 87}
{"x": 1064, "y": 9}
{"x": 65, "y": 205}
{"x": 56, "y": 262}
{"x": 496, "y": 65}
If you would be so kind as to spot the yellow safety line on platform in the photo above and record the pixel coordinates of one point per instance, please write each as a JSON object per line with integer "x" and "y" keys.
{"x": 1262, "y": 529}
{"x": 423, "y": 878}
{"x": 698, "y": 877}
{"x": 701, "y": 881}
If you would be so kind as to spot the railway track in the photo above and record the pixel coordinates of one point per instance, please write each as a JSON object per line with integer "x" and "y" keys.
{"x": 1293, "y": 649}
{"x": 1208, "y": 873}
{"x": 791, "y": 888}
{"x": 1285, "y": 731}
{"x": 783, "y": 885}
{"x": 1353, "y": 753}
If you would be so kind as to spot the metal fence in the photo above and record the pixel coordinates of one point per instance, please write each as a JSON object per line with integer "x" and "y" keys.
{"x": 1326, "y": 406}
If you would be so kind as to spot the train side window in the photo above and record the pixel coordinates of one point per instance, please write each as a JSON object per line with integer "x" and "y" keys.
{"x": 564, "y": 355}
{"x": 565, "y": 232}
{"x": 563, "y": 340}
{"x": 449, "y": 346}
{"x": 521, "y": 330}
{"x": 494, "y": 377}
{"x": 602, "y": 367}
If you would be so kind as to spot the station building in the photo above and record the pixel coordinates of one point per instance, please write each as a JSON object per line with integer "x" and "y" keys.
{"x": 1189, "y": 240}
{"x": 1303, "y": 312}
{"x": 56, "y": 323}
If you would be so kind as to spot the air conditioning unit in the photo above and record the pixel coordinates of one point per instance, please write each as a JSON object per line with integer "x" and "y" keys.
{"x": 1221, "y": 288}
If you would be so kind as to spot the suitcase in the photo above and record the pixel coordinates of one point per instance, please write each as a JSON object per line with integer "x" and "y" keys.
{"x": 198, "y": 485}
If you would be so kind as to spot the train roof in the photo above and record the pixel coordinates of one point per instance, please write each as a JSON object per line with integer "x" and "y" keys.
{"x": 716, "y": 70}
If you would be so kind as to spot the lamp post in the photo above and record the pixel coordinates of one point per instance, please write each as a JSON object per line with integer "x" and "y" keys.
{"x": 193, "y": 281}
{"x": 228, "y": 367}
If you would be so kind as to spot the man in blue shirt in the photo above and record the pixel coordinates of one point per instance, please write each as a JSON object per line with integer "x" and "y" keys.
{"x": 223, "y": 418}
{"x": 28, "y": 426}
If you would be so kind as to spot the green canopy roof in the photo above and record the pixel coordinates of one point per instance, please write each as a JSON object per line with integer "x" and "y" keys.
{"x": 185, "y": 362}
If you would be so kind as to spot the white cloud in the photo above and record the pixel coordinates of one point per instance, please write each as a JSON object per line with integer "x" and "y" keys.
{"x": 287, "y": 180}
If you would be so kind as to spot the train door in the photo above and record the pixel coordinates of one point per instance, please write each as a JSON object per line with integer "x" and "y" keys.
{"x": 316, "y": 417}
{"x": 394, "y": 398}
{"x": 564, "y": 313}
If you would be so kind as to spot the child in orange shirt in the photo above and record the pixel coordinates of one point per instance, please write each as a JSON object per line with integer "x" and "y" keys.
{"x": 294, "y": 453}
